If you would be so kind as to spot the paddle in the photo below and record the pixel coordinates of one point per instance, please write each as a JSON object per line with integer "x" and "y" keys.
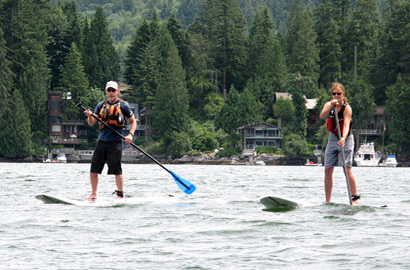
{"x": 343, "y": 157}
{"x": 183, "y": 184}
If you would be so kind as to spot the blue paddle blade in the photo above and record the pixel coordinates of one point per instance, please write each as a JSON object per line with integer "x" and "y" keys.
{"x": 183, "y": 184}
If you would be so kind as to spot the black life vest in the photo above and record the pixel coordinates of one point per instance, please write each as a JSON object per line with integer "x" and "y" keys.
{"x": 331, "y": 121}
{"x": 111, "y": 114}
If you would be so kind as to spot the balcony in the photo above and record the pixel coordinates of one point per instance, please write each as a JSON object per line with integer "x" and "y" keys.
{"x": 62, "y": 140}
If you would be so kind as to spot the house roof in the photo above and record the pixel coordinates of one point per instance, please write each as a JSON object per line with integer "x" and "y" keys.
{"x": 310, "y": 103}
{"x": 267, "y": 126}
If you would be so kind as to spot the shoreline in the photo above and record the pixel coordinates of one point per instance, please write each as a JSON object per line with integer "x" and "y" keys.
{"x": 240, "y": 160}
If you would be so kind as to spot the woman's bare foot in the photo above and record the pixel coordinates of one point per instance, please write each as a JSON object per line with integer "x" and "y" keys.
{"x": 92, "y": 196}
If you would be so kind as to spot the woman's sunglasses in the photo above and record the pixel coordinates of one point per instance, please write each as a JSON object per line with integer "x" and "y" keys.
{"x": 111, "y": 90}
{"x": 336, "y": 94}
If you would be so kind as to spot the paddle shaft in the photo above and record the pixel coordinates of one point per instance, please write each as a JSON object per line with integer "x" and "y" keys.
{"x": 343, "y": 157}
{"x": 122, "y": 136}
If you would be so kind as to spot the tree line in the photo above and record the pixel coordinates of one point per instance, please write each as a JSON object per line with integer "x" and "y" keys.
{"x": 198, "y": 84}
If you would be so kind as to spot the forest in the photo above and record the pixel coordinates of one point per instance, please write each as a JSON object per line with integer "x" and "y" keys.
{"x": 201, "y": 69}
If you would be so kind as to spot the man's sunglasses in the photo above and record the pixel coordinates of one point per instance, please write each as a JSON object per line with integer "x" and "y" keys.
{"x": 111, "y": 90}
{"x": 336, "y": 94}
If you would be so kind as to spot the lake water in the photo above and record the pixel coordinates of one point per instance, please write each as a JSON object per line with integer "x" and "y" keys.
{"x": 220, "y": 226}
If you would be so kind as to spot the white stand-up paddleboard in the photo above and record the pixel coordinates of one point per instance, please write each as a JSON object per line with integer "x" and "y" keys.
{"x": 111, "y": 201}
{"x": 276, "y": 204}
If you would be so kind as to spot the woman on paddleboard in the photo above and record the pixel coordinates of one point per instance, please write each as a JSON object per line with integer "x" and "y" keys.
{"x": 336, "y": 143}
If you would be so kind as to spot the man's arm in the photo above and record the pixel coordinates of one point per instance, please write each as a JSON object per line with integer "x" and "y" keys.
{"x": 133, "y": 123}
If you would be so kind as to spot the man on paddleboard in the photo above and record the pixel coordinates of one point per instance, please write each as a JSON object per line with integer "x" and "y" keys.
{"x": 113, "y": 112}
{"x": 339, "y": 142}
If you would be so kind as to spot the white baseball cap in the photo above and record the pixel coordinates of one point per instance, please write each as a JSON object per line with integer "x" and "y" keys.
{"x": 111, "y": 84}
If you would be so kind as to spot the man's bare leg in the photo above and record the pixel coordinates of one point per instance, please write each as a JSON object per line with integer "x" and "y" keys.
{"x": 94, "y": 186}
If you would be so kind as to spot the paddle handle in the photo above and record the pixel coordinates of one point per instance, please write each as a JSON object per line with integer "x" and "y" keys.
{"x": 122, "y": 136}
{"x": 343, "y": 157}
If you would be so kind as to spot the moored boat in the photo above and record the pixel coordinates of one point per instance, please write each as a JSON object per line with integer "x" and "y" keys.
{"x": 390, "y": 161}
{"x": 61, "y": 158}
{"x": 366, "y": 156}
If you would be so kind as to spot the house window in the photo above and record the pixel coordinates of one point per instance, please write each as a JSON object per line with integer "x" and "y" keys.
{"x": 259, "y": 133}
{"x": 56, "y": 128}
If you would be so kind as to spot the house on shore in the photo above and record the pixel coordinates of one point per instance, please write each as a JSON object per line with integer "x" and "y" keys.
{"x": 260, "y": 134}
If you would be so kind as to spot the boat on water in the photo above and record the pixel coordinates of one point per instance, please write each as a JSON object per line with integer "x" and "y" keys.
{"x": 390, "y": 161}
{"x": 311, "y": 163}
{"x": 366, "y": 156}
{"x": 61, "y": 158}
{"x": 260, "y": 163}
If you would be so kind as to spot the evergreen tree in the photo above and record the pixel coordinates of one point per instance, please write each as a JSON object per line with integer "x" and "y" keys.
{"x": 181, "y": 40}
{"x": 101, "y": 61}
{"x": 261, "y": 39}
{"x": 297, "y": 87}
{"x": 228, "y": 118}
{"x": 224, "y": 25}
{"x": 362, "y": 40}
{"x": 6, "y": 76}
{"x": 132, "y": 61}
{"x": 303, "y": 53}
{"x": 394, "y": 58}
{"x": 331, "y": 69}
{"x": 6, "y": 83}
{"x": 148, "y": 76}
{"x": 397, "y": 106}
{"x": 35, "y": 82}
{"x": 16, "y": 121}
{"x": 171, "y": 100}
{"x": 285, "y": 111}
{"x": 362, "y": 103}
{"x": 327, "y": 25}
{"x": 58, "y": 47}
{"x": 266, "y": 62}
{"x": 74, "y": 84}
{"x": 65, "y": 28}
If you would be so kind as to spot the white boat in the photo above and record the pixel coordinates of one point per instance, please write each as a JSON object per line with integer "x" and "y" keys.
{"x": 61, "y": 158}
{"x": 366, "y": 156}
{"x": 260, "y": 163}
{"x": 390, "y": 161}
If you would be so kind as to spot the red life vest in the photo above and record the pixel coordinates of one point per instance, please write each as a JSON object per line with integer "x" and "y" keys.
{"x": 111, "y": 114}
{"x": 331, "y": 121}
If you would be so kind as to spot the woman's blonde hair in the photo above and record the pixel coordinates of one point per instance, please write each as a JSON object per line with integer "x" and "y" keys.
{"x": 340, "y": 86}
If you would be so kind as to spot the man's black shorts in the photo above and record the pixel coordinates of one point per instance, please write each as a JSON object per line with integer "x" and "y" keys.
{"x": 110, "y": 153}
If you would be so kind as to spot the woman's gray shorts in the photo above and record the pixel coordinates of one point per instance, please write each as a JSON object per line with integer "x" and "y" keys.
{"x": 333, "y": 153}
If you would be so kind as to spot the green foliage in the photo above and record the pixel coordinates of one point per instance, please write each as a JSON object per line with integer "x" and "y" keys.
{"x": 203, "y": 136}
{"x": 101, "y": 61}
{"x": 228, "y": 152}
{"x": 296, "y": 147}
{"x": 267, "y": 150}
{"x": 7, "y": 77}
{"x": 397, "y": 104}
{"x": 237, "y": 44}
{"x": 180, "y": 145}
{"x": 285, "y": 111}
{"x": 171, "y": 100}
{"x": 303, "y": 53}
{"x": 362, "y": 102}
{"x": 223, "y": 25}
{"x": 229, "y": 117}
{"x": 74, "y": 84}
{"x": 16, "y": 125}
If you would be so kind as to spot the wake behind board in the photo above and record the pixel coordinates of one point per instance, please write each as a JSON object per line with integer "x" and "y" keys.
{"x": 275, "y": 204}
